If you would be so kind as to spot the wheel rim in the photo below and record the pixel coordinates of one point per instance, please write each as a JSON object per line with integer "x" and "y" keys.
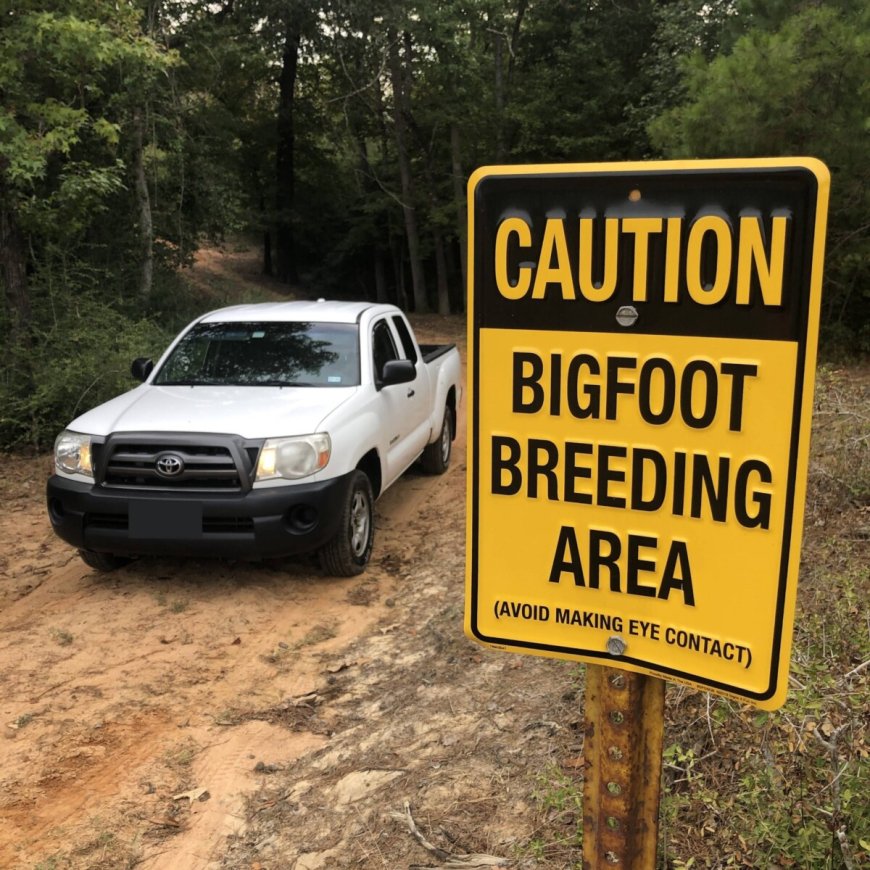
{"x": 360, "y": 524}
{"x": 445, "y": 438}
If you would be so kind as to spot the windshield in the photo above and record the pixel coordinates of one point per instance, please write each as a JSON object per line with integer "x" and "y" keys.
{"x": 267, "y": 354}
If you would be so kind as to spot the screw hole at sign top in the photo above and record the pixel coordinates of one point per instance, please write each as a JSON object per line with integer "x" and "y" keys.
{"x": 634, "y": 196}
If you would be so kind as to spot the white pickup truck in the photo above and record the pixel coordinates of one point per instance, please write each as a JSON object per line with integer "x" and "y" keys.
{"x": 263, "y": 430}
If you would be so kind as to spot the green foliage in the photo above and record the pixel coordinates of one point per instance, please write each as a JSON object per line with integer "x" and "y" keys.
{"x": 840, "y": 458}
{"x": 559, "y": 797}
{"x": 560, "y": 792}
{"x": 691, "y": 30}
{"x": 799, "y": 89}
{"x": 576, "y": 80}
{"x": 86, "y": 351}
{"x": 59, "y": 121}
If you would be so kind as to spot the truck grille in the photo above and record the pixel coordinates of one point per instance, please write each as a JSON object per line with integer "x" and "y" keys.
{"x": 177, "y": 465}
{"x": 210, "y": 525}
{"x": 118, "y": 522}
{"x": 227, "y": 525}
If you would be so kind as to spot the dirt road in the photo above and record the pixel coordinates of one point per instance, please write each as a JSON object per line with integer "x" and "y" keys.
{"x": 197, "y": 714}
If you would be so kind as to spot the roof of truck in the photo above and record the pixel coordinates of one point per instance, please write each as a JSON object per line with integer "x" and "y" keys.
{"x": 319, "y": 311}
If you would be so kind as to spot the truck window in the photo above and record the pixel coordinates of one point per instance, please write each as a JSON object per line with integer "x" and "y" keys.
{"x": 383, "y": 347}
{"x": 405, "y": 336}
{"x": 279, "y": 354}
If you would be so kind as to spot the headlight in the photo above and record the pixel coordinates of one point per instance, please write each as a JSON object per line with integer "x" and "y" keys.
{"x": 293, "y": 458}
{"x": 72, "y": 454}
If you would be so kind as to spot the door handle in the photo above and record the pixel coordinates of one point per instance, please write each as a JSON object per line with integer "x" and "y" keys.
{"x": 410, "y": 393}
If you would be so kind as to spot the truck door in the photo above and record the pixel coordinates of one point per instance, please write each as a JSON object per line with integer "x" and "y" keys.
{"x": 403, "y": 407}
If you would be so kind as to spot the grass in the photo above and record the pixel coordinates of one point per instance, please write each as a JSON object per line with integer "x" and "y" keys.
{"x": 181, "y": 756}
{"x": 559, "y": 799}
{"x": 103, "y": 850}
{"x": 178, "y": 605}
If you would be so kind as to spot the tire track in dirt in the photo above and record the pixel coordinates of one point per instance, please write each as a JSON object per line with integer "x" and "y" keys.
{"x": 74, "y": 787}
{"x": 189, "y": 672}
{"x": 229, "y": 766}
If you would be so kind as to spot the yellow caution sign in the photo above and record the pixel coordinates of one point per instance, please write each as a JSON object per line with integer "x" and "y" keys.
{"x": 642, "y": 353}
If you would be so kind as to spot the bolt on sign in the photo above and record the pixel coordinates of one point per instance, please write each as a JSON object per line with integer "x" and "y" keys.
{"x": 642, "y": 355}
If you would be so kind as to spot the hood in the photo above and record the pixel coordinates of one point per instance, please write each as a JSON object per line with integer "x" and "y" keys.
{"x": 252, "y": 412}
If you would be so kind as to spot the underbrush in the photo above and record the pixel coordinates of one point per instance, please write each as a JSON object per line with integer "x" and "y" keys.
{"x": 76, "y": 356}
{"x": 80, "y": 342}
{"x": 747, "y": 788}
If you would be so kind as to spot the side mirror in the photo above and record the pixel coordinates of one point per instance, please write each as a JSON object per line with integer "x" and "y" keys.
{"x": 141, "y": 368}
{"x": 398, "y": 371}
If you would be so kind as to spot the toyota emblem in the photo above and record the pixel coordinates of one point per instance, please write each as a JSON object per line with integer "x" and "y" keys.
{"x": 169, "y": 465}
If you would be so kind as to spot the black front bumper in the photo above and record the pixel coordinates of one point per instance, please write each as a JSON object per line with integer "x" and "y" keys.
{"x": 276, "y": 521}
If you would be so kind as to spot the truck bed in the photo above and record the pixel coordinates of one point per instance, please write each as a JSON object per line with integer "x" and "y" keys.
{"x": 433, "y": 351}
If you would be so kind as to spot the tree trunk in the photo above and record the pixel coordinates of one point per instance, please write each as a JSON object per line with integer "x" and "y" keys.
{"x": 461, "y": 206}
{"x": 498, "y": 60}
{"x": 441, "y": 273}
{"x": 267, "y": 238}
{"x": 502, "y": 81}
{"x": 400, "y": 100}
{"x": 398, "y": 271}
{"x": 380, "y": 277}
{"x": 286, "y": 270}
{"x": 143, "y": 200}
{"x": 515, "y": 36}
{"x": 443, "y": 292}
{"x": 368, "y": 188}
{"x": 267, "y": 253}
{"x": 13, "y": 267}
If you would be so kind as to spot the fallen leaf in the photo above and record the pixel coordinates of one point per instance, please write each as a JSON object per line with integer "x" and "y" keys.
{"x": 195, "y": 794}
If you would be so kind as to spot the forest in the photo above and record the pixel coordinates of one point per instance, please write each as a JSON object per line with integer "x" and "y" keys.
{"x": 337, "y": 136}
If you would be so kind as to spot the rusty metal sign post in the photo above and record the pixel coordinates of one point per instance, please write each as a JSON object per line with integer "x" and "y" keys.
{"x": 624, "y": 724}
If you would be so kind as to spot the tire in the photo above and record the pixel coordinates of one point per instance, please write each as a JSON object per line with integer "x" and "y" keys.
{"x": 103, "y": 561}
{"x": 348, "y": 553}
{"x": 436, "y": 457}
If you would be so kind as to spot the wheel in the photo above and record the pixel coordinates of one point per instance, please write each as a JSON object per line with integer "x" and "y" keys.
{"x": 436, "y": 456}
{"x": 103, "y": 561}
{"x": 349, "y": 551}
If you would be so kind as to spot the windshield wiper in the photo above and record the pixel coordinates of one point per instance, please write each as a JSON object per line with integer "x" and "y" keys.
{"x": 273, "y": 383}
{"x": 279, "y": 384}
